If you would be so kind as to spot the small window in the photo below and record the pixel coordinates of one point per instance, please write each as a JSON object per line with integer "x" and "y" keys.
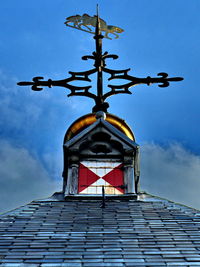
{"x": 95, "y": 174}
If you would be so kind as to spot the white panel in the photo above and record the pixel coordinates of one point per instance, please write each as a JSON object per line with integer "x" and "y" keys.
{"x": 99, "y": 190}
{"x": 91, "y": 190}
{"x": 100, "y": 172}
{"x": 89, "y": 163}
{"x": 100, "y": 182}
{"x": 96, "y": 188}
{"x": 97, "y": 164}
{"x": 100, "y": 168}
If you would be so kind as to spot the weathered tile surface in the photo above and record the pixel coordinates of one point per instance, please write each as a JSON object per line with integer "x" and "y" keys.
{"x": 79, "y": 233}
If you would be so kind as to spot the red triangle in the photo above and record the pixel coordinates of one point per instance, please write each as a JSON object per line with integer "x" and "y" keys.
{"x": 115, "y": 178}
{"x": 86, "y": 177}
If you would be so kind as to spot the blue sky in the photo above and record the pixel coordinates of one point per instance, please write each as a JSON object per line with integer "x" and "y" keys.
{"x": 159, "y": 36}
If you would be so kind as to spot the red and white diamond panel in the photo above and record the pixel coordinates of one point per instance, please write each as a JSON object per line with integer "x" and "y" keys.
{"x": 93, "y": 175}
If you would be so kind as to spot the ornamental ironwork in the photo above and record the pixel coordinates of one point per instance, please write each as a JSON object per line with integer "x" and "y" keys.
{"x": 85, "y": 23}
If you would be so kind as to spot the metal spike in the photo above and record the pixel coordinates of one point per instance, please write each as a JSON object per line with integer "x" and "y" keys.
{"x": 103, "y": 204}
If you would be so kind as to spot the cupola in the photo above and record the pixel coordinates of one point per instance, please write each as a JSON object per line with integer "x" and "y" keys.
{"x": 100, "y": 151}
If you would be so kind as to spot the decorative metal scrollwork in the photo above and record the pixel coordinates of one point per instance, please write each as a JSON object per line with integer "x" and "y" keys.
{"x": 75, "y": 90}
{"x": 124, "y": 88}
{"x": 99, "y": 58}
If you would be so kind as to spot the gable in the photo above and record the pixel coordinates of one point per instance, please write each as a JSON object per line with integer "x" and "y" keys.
{"x": 101, "y": 138}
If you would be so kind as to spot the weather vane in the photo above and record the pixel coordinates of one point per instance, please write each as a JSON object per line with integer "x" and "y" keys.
{"x": 84, "y": 23}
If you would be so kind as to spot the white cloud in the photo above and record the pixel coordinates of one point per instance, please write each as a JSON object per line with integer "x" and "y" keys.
{"x": 22, "y": 178}
{"x": 15, "y": 106}
{"x": 22, "y": 106}
{"x": 172, "y": 173}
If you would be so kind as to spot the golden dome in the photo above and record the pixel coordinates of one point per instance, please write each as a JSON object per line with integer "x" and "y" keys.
{"x": 88, "y": 119}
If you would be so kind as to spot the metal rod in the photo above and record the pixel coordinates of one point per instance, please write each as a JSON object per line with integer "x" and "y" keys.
{"x": 103, "y": 204}
{"x": 99, "y": 61}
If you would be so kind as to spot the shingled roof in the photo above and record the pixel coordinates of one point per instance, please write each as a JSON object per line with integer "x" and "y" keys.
{"x": 147, "y": 231}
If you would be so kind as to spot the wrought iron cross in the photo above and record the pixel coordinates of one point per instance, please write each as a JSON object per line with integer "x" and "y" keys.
{"x": 82, "y": 22}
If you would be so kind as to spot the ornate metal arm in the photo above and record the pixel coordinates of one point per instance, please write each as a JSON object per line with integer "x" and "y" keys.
{"x": 124, "y": 88}
{"x": 75, "y": 90}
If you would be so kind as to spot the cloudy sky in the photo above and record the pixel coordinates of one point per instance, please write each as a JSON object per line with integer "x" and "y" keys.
{"x": 159, "y": 36}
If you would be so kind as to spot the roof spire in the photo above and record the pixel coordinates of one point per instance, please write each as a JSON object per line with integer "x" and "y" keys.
{"x": 82, "y": 23}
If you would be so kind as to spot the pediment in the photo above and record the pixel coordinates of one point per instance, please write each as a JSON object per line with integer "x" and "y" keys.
{"x": 101, "y": 137}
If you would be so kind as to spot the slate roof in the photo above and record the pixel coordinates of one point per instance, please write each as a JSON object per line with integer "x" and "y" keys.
{"x": 148, "y": 231}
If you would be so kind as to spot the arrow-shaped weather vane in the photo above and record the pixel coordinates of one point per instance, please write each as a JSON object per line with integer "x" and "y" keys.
{"x": 84, "y": 23}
